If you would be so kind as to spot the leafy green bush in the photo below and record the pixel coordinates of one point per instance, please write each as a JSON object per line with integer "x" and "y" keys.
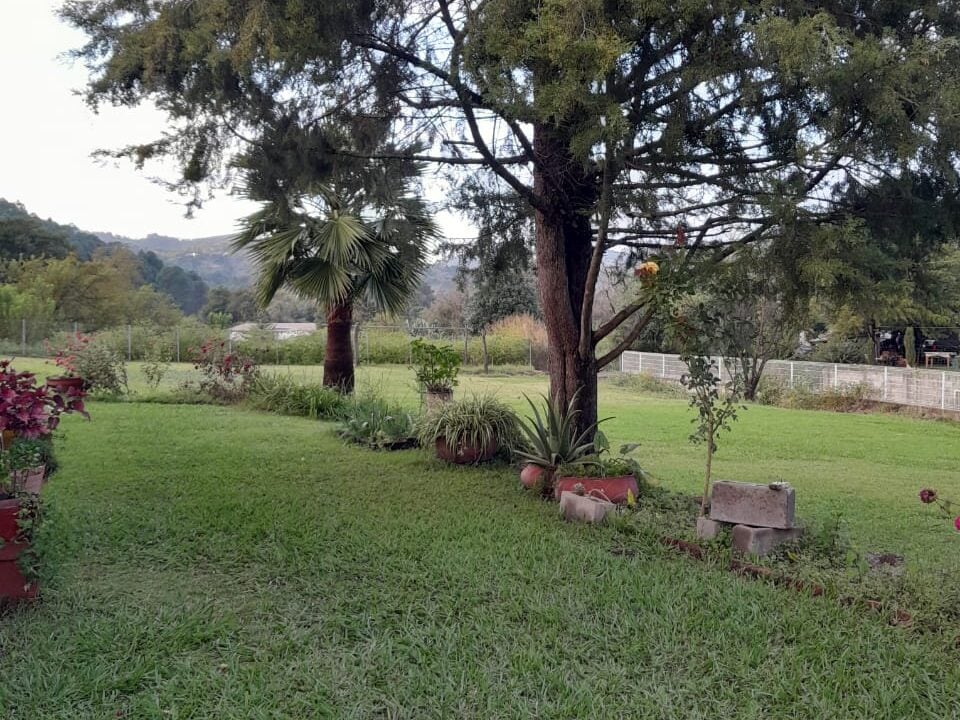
{"x": 284, "y": 395}
{"x": 377, "y": 423}
{"x": 648, "y": 384}
{"x": 102, "y": 368}
{"x": 436, "y": 366}
{"x": 847, "y": 398}
{"x": 476, "y": 420}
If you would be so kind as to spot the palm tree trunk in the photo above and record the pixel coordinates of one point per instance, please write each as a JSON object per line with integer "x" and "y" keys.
{"x": 338, "y": 354}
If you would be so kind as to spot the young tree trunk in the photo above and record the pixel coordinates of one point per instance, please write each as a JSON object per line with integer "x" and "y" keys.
{"x": 486, "y": 357}
{"x": 564, "y": 244}
{"x": 705, "y": 500}
{"x": 338, "y": 354}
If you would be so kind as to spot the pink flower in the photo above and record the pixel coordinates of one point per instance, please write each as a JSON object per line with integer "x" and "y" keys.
{"x": 928, "y": 495}
{"x": 956, "y": 524}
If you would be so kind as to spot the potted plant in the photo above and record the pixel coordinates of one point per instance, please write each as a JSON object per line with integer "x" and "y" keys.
{"x": 615, "y": 479}
{"x": 469, "y": 431}
{"x": 29, "y": 410}
{"x": 18, "y": 514}
{"x": 67, "y": 358}
{"x": 23, "y": 461}
{"x": 436, "y": 367}
{"x": 551, "y": 440}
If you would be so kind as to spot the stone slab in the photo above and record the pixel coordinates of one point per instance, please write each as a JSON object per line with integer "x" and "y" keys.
{"x": 761, "y": 540}
{"x": 708, "y": 529}
{"x": 584, "y": 508}
{"x": 772, "y": 506}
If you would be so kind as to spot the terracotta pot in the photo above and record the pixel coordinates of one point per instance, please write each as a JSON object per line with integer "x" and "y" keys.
{"x": 13, "y": 584}
{"x": 29, "y": 480}
{"x": 466, "y": 454}
{"x": 436, "y": 398}
{"x": 614, "y": 489}
{"x": 64, "y": 384}
{"x": 530, "y": 475}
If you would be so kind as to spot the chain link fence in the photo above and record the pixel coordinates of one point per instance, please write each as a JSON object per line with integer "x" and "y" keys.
{"x": 927, "y": 388}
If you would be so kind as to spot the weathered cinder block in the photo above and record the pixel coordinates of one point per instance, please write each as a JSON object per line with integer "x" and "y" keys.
{"x": 584, "y": 508}
{"x": 771, "y": 506}
{"x": 708, "y": 529}
{"x": 761, "y": 540}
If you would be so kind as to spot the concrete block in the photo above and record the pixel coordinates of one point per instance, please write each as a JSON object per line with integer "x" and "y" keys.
{"x": 584, "y": 508}
{"x": 739, "y": 503}
{"x": 708, "y": 529}
{"x": 761, "y": 540}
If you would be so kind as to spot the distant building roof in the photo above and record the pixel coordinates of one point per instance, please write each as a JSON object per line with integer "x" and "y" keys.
{"x": 279, "y": 330}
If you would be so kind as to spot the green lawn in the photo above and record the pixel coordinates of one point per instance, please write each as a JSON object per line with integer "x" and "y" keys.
{"x": 206, "y": 562}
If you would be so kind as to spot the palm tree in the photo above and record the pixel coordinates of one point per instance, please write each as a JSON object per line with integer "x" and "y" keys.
{"x": 326, "y": 252}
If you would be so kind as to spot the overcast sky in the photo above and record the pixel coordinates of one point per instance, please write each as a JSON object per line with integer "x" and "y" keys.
{"x": 47, "y": 135}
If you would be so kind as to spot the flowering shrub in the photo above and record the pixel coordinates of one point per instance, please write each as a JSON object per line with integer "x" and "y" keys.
{"x": 67, "y": 357}
{"x": 929, "y": 496}
{"x": 99, "y": 365}
{"x": 646, "y": 270}
{"x": 31, "y": 410}
{"x": 227, "y": 376}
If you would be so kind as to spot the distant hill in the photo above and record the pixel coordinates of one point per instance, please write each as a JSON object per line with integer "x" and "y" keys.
{"x": 209, "y": 257}
{"x": 23, "y": 234}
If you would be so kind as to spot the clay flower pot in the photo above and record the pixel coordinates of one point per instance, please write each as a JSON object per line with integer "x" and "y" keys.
{"x": 614, "y": 489}
{"x": 436, "y": 398}
{"x": 13, "y": 584}
{"x": 29, "y": 480}
{"x": 64, "y": 384}
{"x": 465, "y": 454}
{"x": 530, "y": 475}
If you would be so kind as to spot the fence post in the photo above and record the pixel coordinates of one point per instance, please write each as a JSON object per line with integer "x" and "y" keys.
{"x": 178, "y": 342}
{"x": 836, "y": 381}
{"x": 530, "y": 353}
{"x": 466, "y": 347}
{"x": 621, "y": 362}
{"x": 76, "y": 328}
{"x": 791, "y": 376}
{"x": 943, "y": 391}
{"x": 885, "y": 369}
{"x": 639, "y": 363}
{"x": 663, "y": 365}
{"x": 129, "y": 344}
{"x": 23, "y": 337}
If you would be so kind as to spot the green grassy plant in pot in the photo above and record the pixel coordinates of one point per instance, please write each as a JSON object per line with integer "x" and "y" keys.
{"x": 436, "y": 367}
{"x": 470, "y": 431}
{"x": 616, "y": 479}
{"x": 551, "y": 440}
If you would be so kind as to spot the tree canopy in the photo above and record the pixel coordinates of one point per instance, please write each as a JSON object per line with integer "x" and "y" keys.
{"x": 635, "y": 124}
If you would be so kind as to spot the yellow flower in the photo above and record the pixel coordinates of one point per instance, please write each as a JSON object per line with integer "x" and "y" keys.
{"x": 646, "y": 270}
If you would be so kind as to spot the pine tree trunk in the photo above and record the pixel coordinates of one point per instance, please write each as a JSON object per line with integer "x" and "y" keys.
{"x": 338, "y": 354}
{"x": 564, "y": 245}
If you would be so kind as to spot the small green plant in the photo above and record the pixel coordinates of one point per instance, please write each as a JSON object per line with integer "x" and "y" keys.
{"x": 377, "y": 423}
{"x": 436, "y": 366}
{"x": 477, "y": 421}
{"x": 284, "y": 395}
{"x": 716, "y": 410}
{"x": 600, "y": 465}
{"x": 24, "y": 454}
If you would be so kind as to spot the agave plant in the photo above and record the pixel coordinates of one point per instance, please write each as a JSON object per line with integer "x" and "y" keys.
{"x": 552, "y": 439}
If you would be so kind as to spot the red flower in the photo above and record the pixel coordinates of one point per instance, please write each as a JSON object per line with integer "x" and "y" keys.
{"x": 928, "y": 495}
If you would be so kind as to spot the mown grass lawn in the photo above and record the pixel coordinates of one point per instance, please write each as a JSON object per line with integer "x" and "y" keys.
{"x": 206, "y": 562}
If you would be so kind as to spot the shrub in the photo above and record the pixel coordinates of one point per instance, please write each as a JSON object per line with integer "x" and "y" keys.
{"x": 436, "y": 366}
{"x": 227, "y": 377}
{"x": 31, "y": 410}
{"x": 282, "y": 394}
{"x": 648, "y": 384}
{"x": 156, "y": 363}
{"x": 377, "y": 423}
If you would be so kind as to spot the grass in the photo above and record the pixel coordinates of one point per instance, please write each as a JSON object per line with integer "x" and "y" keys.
{"x": 206, "y": 562}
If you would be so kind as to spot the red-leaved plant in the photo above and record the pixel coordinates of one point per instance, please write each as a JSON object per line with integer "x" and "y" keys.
{"x": 929, "y": 496}
{"x": 227, "y": 376}
{"x": 66, "y": 357}
{"x": 31, "y": 410}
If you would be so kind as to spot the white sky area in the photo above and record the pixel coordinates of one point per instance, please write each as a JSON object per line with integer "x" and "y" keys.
{"x": 48, "y": 135}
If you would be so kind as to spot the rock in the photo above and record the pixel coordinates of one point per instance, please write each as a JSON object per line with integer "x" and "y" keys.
{"x": 708, "y": 529}
{"x": 584, "y": 508}
{"x": 761, "y": 540}
{"x": 758, "y": 505}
